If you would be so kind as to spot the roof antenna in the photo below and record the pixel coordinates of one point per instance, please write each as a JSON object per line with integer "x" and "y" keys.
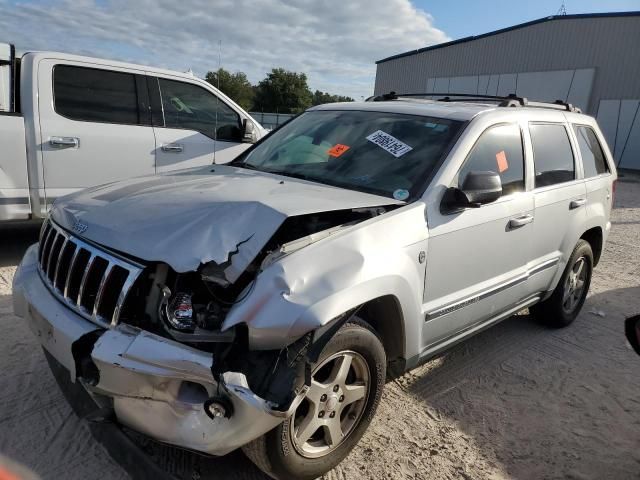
{"x": 562, "y": 10}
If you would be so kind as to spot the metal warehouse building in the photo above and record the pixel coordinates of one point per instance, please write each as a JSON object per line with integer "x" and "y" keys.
{"x": 591, "y": 61}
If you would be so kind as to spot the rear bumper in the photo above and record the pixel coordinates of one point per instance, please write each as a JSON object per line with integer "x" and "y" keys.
{"x": 154, "y": 385}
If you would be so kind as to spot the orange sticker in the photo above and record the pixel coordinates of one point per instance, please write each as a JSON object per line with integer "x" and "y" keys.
{"x": 337, "y": 150}
{"x": 501, "y": 158}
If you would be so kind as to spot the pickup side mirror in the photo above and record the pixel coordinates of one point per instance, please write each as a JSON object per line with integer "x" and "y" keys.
{"x": 249, "y": 132}
{"x": 632, "y": 331}
{"x": 477, "y": 189}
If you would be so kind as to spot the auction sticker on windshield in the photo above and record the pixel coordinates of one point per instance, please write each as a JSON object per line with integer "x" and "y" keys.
{"x": 337, "y": 150}
{"x": 389, "y": 143}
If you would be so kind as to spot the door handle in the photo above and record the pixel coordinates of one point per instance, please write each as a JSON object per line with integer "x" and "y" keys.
{"x": 520, "y": 221}
{"x": 172, "y": 147}
{"x": 577, "y": 203}
{"x": 64, "y": 142}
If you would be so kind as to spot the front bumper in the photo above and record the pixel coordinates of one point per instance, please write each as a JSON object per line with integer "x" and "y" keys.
{"x": 155, "y": 385}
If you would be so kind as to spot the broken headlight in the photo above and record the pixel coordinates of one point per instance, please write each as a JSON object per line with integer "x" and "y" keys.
{"x": 188, "y": 312}
{"x": 179, "y": 312}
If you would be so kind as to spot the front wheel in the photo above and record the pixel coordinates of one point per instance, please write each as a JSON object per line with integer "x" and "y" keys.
{"x": 346, "y": 386}
{"x": 565, "y": 303}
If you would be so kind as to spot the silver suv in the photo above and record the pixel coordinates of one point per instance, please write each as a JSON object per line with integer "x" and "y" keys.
{"x": 262, "y": 304}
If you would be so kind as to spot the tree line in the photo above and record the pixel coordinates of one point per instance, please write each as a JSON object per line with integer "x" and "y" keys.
{"x": 280, "y": 91}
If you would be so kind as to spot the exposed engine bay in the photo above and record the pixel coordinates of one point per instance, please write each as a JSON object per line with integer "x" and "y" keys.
{"x": 191, "y": 307}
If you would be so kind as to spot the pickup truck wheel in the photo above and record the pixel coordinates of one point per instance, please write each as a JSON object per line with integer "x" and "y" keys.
{"x": 346, "y": 386}
{"x": 565, "y": 303}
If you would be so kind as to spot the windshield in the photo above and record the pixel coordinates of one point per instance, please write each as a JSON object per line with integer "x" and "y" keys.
{"x": 382, "y": 153}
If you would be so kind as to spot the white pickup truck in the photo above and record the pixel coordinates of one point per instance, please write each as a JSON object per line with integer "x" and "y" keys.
{"x": 69, "y": 122}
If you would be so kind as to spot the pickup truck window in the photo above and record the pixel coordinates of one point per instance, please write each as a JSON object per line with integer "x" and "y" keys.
{"x": 192, "y": 107}
{"x": 386, "y": 154}
{"x": 593, "y": 160}
{"x": 95, "y": 95}
{"x": 552, "y": 154}
{"x": 499, "y": 149}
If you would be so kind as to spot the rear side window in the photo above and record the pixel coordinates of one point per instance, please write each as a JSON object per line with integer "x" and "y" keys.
{"x": 192, "y": 107}
{"x": 94, "y": 95}
{"x": 552, "y": 154}
{"x": 593, "y": 160}
{"x": 499, "y": 149}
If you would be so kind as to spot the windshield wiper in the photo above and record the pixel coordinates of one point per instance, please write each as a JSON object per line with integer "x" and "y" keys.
{"x": 248, "y": 166}
{"x": 284, "y": 173}
{"x": 301, "y": 176}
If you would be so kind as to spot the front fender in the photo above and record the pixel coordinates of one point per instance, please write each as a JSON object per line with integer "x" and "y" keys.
{"x": 307, "y": 289}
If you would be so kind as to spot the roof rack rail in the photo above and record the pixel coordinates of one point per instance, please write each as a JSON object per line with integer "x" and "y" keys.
{"x": 511, "y": 100}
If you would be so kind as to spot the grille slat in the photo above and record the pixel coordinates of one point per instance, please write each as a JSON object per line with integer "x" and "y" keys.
{"x": 91, "y": 281}
{"x": 54, "y": 254}
{"x": 101, "y": 286}
{"x": 72, "y": 265}
{"x": 44, "y": 258}
{"x": 59, "y": 261}
{"x": 85, "y": 276}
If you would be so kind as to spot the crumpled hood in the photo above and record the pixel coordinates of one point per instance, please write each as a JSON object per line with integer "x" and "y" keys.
{"x": 195, "y": 216}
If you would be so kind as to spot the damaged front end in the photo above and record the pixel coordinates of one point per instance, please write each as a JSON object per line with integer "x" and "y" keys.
{"x": 162, "y": 349}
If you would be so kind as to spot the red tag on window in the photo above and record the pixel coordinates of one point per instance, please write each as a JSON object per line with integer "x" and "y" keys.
{"x": 337, "y": 150}
{"x": 501, "y": 159}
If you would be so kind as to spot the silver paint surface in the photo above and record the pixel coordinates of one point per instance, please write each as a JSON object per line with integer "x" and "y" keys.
{"x": 195, "y": 216}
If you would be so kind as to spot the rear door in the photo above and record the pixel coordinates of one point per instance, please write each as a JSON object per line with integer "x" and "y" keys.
{"x": 195, "y": 128}
{"x": 560, "y": 202}
{"x": 95, "y": 125}
{"x": 597, "y": 174}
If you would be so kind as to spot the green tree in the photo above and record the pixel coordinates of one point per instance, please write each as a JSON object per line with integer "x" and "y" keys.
{"x": 321, "y": 97}
{"x": 234, "y": 85}
{"x": 283, "y": 91}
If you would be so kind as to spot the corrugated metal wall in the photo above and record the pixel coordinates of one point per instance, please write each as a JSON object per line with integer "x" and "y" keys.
{"x": 610, "y": 45}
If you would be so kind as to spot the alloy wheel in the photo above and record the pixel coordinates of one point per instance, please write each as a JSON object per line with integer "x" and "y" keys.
{"x": 574, "y": 285}
{"x": 333, "y": 406}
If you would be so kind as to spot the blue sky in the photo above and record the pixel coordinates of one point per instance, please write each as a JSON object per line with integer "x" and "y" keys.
{"x": 335, "y": 42}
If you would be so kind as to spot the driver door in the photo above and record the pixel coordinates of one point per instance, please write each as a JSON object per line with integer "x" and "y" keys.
{"x": 193, "y": 127}
{"x": 477, "y": 258}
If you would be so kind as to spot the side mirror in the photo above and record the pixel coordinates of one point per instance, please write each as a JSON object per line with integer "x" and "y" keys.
{"x": 477, "y": 189}
{"x": 249, "y": 132}
{"x": 632, "y": 331}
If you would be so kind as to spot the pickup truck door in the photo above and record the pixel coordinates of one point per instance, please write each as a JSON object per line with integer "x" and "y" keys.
{"x": 477, "y": 258}
{"x": 95, "y": 125}
{"x": 193, "y": 126}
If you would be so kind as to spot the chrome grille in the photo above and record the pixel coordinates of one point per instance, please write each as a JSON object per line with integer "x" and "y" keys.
{"x": 91, "y": 281}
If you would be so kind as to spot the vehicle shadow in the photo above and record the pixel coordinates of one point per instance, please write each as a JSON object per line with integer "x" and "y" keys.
{"x": 15, "y": 238}
{"x": 545, "y": 403}
{"x": 180, "y": 464}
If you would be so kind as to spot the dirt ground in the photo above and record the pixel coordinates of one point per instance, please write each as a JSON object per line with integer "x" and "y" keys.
{"x": 517, "y": 401}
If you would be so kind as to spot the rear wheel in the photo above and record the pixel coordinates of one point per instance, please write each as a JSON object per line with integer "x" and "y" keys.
{"x": 345, "y": 390}
{"x": 564, "y": 305}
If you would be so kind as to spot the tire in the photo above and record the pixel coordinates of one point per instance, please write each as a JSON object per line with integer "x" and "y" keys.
{"x": 356, "y": 354}
{"x": 565, "y": 303}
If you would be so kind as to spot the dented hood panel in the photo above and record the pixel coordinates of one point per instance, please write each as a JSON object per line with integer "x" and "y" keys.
{"x": 195, "y": 216}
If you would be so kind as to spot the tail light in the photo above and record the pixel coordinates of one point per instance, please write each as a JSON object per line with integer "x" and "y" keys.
{"x": 613, "y": 192}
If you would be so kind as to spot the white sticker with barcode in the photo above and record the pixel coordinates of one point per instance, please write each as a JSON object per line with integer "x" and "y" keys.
{"x": 389, "y": 143}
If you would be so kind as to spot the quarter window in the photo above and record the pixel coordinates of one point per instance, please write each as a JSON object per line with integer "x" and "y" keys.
{"x": 95, "y": 95}
{"x": 499, "y": 149}
{"x": 191, "y": 107}
{"x": 552, "y": 154}
{"x": 593, "y": 160}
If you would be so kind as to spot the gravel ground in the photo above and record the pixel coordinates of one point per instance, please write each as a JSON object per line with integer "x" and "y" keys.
{"x": 517, "y": 401}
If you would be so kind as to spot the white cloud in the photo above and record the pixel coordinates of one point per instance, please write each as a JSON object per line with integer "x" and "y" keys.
{"x": 335, "y": 42}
